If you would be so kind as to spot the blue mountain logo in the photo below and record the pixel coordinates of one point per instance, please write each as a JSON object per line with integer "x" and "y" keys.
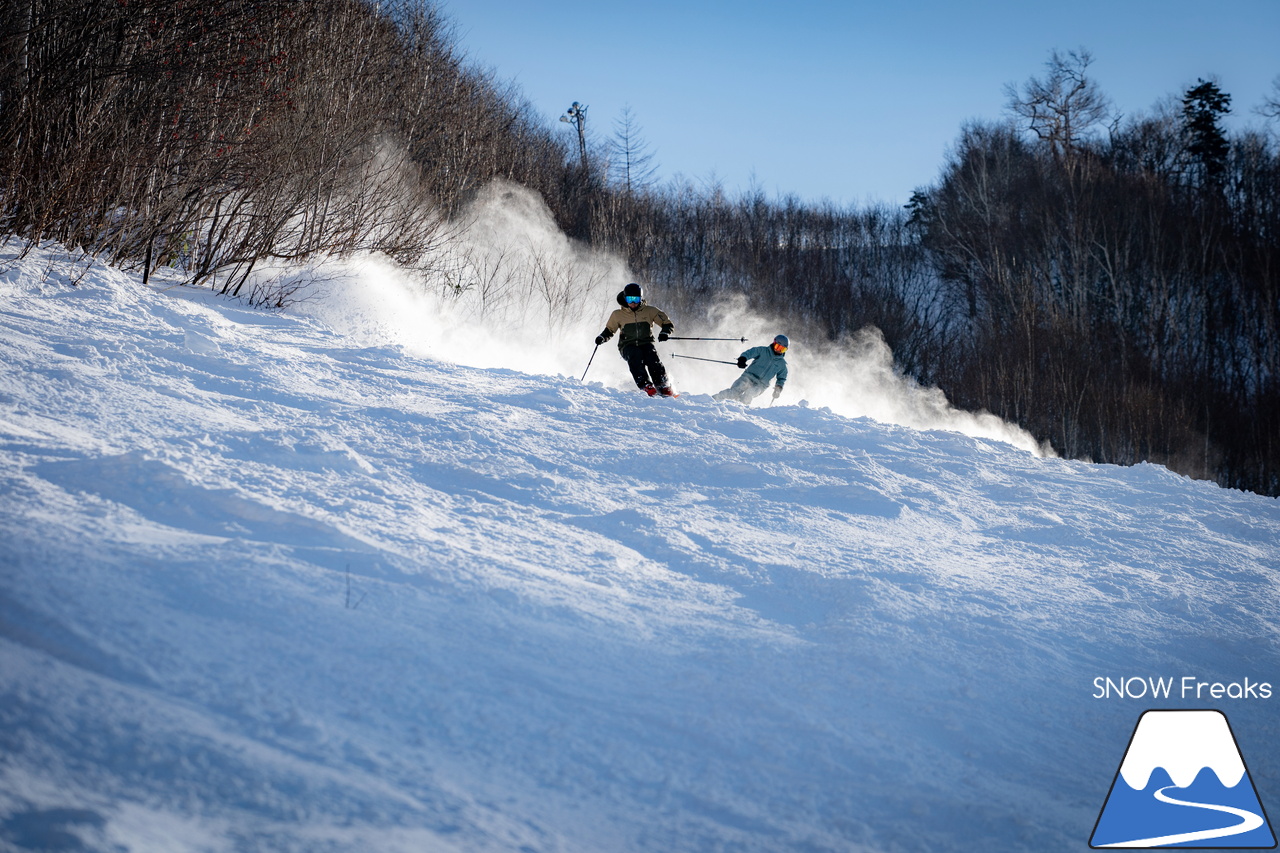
{"x": 1183, "y": 783}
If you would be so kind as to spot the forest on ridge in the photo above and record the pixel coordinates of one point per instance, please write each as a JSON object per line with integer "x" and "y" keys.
{"x": 1109, "y": 283}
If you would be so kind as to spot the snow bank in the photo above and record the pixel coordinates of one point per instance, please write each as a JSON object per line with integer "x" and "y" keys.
{"x": 266, "y": 584}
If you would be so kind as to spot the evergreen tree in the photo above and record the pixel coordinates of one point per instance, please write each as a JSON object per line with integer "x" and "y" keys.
{"x": 1202, "y": 108}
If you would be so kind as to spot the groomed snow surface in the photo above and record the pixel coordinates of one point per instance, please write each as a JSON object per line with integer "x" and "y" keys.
{"x": 269, "y": 587}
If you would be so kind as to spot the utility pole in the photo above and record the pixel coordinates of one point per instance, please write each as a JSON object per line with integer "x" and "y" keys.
{"x": 577, "y": 115}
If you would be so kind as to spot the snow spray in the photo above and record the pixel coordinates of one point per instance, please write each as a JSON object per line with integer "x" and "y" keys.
{"x": 510, "y": 290}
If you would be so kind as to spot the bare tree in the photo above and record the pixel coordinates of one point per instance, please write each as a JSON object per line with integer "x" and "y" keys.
{"x": 1061, "y": 107}
{"x": 632, "y": 160}
{"x": 1270, "y": 107}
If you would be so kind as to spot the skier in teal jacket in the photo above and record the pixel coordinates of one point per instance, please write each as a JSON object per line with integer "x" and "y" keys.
{"x": 766, "y": 363}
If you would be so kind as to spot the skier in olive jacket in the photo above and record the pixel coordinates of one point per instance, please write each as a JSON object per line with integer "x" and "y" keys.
{"x": 634, "y": 321}
{"x": 766, "y": 363}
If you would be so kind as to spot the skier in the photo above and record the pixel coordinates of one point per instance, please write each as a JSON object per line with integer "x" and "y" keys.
{"x": 635, "y": 342}
{"x": 766, "y": 363}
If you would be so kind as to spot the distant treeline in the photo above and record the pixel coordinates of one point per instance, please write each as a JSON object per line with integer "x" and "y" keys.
{"x": 1112, "y": 285}
{"x": 228, "y": 133}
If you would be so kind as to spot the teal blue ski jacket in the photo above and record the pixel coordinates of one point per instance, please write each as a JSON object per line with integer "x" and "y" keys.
{"x": 765, "y": 365}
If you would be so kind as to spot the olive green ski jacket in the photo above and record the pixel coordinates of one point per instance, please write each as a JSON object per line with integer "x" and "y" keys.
{"x": 635, "y": 325}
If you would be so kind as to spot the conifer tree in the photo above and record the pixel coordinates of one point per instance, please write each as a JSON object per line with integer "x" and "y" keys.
{"x": 1203, "y": 106}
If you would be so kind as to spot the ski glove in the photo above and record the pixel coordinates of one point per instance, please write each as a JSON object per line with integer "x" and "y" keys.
{"x": 662, "y": 336}
{"x": 742, "y": 361}
{"x": 599, "y": 340}
{"x": 777, "y": 389}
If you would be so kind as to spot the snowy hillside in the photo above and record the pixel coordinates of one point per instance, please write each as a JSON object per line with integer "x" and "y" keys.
{"x": 270, "y": 585}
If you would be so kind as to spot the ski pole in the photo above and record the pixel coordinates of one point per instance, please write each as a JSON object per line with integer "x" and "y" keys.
{"x": 696, "y": 358}
{"x": 674, "y": 338}
{"x": 593, "y": 358}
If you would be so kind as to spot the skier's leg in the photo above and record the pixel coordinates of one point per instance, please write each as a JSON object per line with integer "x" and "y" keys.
{"x": 729, "y": 393}
{"x": 636, "y": 364}
{"x": 657, "y": 371}
{"x": 750, "y": 391}
{"x": 743, "y": 390}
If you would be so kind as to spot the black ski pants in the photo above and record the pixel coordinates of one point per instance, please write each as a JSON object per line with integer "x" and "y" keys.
{"x": 646, "y": 368}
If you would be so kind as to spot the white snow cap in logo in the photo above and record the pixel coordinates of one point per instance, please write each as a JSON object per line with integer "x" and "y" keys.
{"x": 1183, "y": 743}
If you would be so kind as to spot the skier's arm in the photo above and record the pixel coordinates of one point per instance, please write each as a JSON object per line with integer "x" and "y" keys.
{"x": 780, "y": 380}
{"x": 611, "y": 325}
{"x": 665, "y": 326}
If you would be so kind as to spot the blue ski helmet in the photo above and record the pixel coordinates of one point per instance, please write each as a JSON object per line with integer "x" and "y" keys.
{"x": 782, "y": 341}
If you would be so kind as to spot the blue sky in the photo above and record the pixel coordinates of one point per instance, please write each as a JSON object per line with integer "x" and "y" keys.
{"x": 858, "y": 101}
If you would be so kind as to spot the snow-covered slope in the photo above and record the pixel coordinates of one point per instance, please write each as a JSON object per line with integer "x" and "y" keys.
{"x": 267, "y": 587}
